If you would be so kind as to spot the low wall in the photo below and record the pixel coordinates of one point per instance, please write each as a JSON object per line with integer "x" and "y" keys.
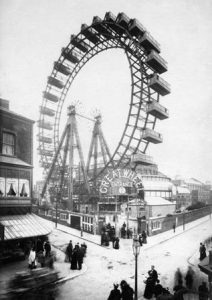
{"x": 154, "y": 225}
{"x": 161, "y": 224}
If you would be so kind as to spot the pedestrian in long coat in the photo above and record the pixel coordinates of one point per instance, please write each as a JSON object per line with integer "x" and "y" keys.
{"x": 178, "y": 277}
{"x": 126, "y": 291}
{"x": 83, "y": 250}
{"x": 150, "y": 283}
{"x": 39, "y": 246}
{"x": 144, "y": 237}
{"x": 189, "y": 278}
{"x": 203, "y": 291}
{"x": 158, "y": 289}
{"x": 47, "y": 248}
{"x": 153, "y": 274}
{"x": 79, "y": 253}
{"x": 74, "y": 259}
{"x": 140, "y": 239}
{"x": 32, "y": 259}
{"x": 116, "y": 243}
{"x": 115, "y": 294}
{"x": 84, "y": 246}
{"x": 69, "y": 251}
{"x": 202, "y": 251}
{"x": 149, "y": 288}
{"x": 179, "y": 291}
{"x": 174, "y": 227}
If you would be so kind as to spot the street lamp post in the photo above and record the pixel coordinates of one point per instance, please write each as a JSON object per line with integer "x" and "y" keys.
{"x": 116, "y": 196}
{"x": 183, "y": 221}
{"x": 127, "y": 212}
{"x": 136, "y": 251}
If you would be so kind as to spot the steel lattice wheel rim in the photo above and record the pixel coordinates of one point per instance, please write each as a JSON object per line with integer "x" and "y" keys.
{"x": 114, "y": 36}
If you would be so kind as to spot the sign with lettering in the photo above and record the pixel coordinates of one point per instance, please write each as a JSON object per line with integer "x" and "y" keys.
{"x": 118, "y": 180}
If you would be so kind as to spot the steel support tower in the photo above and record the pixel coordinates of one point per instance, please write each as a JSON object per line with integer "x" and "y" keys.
{"x": 69, "y": 142}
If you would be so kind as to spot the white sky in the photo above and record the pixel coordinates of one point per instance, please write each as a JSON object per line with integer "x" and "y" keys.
{"x": 33, "y": 32}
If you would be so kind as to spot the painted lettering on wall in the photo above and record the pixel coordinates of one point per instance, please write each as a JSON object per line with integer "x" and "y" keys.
{"x": 121, "y": 178}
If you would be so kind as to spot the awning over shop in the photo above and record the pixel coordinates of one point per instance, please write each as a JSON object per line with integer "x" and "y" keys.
{"x": 22, "y": 226}
{"x": 9, "y": 160}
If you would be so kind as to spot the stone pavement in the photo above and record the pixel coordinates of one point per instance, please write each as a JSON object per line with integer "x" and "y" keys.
{"x": 65, "y": 273}
{"x": 152, "y": 241}
{"x": 64, "y": 268}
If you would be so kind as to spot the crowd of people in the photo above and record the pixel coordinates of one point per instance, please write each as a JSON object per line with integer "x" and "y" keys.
{"x": 75, "y": 255}
{"x": 108, "y": 234}
{"x": 184, "y": 284}
{"x": 154, "y": 288}
{"x": 41, "y": 253}
{"x": 126, "y": 232}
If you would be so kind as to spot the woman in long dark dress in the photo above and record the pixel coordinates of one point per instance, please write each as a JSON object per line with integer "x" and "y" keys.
{"x": 74, "y": 260}
{"x": 149, "y": 289}
{"x": 144, "y": 237}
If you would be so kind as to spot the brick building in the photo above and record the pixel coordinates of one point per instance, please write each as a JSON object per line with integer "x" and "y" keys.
{"x": 199, "y": 191}
{"x": 16, "y": 134}
{"x": 182, "y": 197}
{"x": 16, "y": 179}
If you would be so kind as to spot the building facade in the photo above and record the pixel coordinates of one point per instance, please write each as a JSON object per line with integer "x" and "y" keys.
{"x": 16, "y": 160}
{"x": 199, "y": 191}
{"x": 18, "y": 225}
{"x": 182, "y": 197}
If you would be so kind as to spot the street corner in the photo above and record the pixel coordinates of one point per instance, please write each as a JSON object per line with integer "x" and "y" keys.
{"x": 194, "y": 260}
{"x": 68, "y": 274}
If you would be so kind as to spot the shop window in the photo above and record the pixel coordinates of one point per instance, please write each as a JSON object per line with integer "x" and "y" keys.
{"x": 63, "y": 217}
{"x": 8, "y": 144}
{"x": 156, "y": 225}
{"x": 49, "y": 213}
{"x": 23, "y": 191}
{"x": 11, "y": 191}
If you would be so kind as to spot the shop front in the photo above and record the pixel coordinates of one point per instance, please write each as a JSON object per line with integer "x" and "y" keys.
{"x": 117, "y": 188}
{"x": 18, "y": 233}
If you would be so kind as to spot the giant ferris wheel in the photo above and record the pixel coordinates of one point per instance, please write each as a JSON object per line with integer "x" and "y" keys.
{"x": 145, "y": 64}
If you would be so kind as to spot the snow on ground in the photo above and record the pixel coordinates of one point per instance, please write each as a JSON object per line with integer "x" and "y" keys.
{"x": 106, "y": 265}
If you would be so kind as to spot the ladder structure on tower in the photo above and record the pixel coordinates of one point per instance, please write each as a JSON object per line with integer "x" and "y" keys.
{"x": 99, "y": 154}
{"x": 69, "y": 143}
